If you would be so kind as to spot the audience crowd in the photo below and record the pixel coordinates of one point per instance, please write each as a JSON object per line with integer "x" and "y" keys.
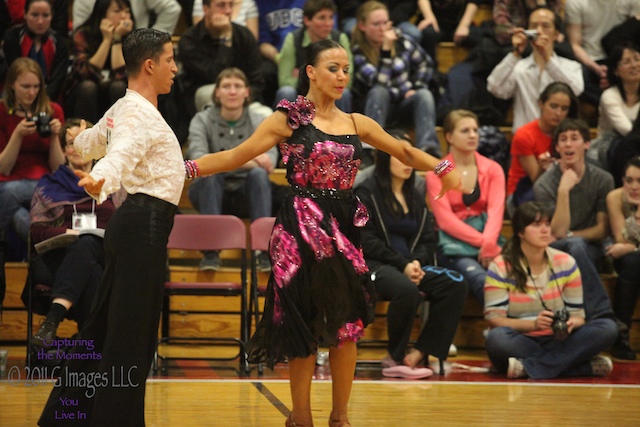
{"x": 534, "y": 67}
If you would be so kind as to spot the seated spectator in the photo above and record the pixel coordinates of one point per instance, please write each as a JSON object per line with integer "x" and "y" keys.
{"x": 14, "y": 13}
{"x": 222, "y": 127}
{"x": 587, "y": 23}
{"x": 622, "y": 206}
{"x": 523, "y": 79}
{"x": 467, "y": 81}
{"x": 37, "y": 40}
{"x": 621, "y": 33}
{"x": 577, "y": 191}
{"x": 469, "y": 224}
{"x": 318, "y": 25}
{"x": 619, "y": 155}
{"x": 399, "y": 247}
{"x": 211, "y": 46}
{"x": 74, "y": 272}
{"x": 531, "y": 146}
{"x": 438, "y": 21}
{"x": 28, "y": 150}
{"x": 161, "y": 15}
{"x": 277, "y": 18}
{"x": 245, "y": 13}
{"x": 619, "y": 104}
{"x": 98, "y": 77}
{"x": 533, "y": 303}
{"x": 391, "y": 76}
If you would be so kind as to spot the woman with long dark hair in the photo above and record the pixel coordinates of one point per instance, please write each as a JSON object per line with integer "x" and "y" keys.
{"x": 620, "y": 103}
{"x": 533, "y": 304}
{"x": 98, "y": 77}
{"x": 399, "y": 246}
{"x": 624, "y": 218}
{"x": 319, "y": 293}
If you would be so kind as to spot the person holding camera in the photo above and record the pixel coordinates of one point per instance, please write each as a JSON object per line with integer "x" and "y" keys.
{"x": 524, "y": 78}
{"x": 29, "y": 146}
{"x": 533, "y": 304}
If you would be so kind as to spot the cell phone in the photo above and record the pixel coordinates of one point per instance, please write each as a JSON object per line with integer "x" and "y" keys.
{"x": 531, "y": 34}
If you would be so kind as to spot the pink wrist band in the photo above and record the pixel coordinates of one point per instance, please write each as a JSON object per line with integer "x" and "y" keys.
{"x": 443, "y": 168}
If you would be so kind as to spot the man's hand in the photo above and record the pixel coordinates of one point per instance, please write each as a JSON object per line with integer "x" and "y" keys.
{"x": 92, "y": 186}
{"x": 568, "y": 181}
{"x": 519, "y": 41}
{"x": 220, "y": 25}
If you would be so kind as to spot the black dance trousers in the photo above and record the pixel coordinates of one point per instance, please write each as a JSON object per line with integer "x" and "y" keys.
{"x": 446, "y": 290}
{"x": 102, "y": 381}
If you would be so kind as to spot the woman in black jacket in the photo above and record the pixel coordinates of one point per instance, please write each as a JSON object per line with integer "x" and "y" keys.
{"x": 399, "y": 245}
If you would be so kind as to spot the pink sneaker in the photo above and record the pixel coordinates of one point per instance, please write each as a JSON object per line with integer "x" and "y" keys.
{"x": 403, "y": 371}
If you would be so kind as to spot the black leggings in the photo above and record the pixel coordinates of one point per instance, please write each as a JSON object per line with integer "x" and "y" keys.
{"x": 446, "y": 291}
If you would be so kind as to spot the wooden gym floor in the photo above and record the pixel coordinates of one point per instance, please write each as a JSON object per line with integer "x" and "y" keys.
{"x": 199, "y": 394}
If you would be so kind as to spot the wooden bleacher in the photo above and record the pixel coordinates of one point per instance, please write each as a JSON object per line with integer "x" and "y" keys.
{"x": 184, "y": 266}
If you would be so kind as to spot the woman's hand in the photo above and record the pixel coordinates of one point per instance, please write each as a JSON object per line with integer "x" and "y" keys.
{"x": 55, "y": 125}
{"x": 574, "y": 323}
{"x": 25, "y": 127}
{"x": 390, "y": 36}
{"x": 543, "y": 321}
{"x": 414, "y": 271}
{"x": 452, "y": 181}
{"x": 92, "y": 186}
{"x": 124, "y": 27}
{"x": 107, "y": 28}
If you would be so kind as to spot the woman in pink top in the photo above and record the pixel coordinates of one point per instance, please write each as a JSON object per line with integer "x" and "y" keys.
{"x": 486, "y": 177}
{"x": 531, "y": 145}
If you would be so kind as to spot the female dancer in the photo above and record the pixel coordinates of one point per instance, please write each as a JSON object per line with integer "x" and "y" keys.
{"x": 319, "y": 292}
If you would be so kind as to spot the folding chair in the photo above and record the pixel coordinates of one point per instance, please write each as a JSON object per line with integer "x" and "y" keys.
{"x": 208, "y": 233}
{"x": 260, "y": 233}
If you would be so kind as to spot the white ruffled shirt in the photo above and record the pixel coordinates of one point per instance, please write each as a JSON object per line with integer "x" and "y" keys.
{"x": 137, "y": 150}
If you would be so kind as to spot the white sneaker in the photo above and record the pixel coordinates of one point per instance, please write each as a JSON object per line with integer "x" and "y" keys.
{"x": 601, "y": 366}
{"x": 516, "y": 369}
{"x": 453, "y": 350}
{"x": 322, "y": 357}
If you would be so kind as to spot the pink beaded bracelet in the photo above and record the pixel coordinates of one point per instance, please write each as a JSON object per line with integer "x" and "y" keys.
{"x": 191, "y": 169}
{"x": 443, "y": 168}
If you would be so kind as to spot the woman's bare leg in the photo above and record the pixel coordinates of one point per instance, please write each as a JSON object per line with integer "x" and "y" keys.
{"x": 343, "y": 367}
{"x": 301, "y": 374}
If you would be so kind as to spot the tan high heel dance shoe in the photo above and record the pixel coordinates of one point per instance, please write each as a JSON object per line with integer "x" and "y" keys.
{"x": 289, "y": 423}
{"x": 339, "y": 423}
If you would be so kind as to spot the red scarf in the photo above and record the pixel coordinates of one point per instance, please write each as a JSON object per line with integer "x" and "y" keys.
{"x": 48, "y": 46}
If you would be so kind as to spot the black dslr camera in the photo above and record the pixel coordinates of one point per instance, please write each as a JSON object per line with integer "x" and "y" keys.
{"x": 559, "y": 325}
{"x": 42, "y": 121}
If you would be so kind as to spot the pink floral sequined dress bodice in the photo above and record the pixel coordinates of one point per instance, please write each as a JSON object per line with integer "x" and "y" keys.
{"x": 319, "y": 293}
